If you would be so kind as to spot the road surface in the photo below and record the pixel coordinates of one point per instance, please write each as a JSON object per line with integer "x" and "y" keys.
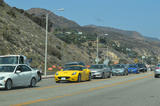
{"x": 133, "y": 90}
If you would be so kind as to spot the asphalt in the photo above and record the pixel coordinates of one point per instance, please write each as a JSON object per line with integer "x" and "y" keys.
{"x": 132, "y": 90}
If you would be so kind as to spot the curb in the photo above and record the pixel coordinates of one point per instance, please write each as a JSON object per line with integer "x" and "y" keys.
{"x": 48, "y": 76}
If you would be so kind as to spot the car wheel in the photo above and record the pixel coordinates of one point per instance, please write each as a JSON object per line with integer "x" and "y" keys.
{"x": 57, "y": 81}
{"x": 90, "y": 77}
{"x": 33, "y": 82}
{"x": 39, "y": 77}
{"x": 127, "y": 73}
{"x": 103, "y": 76}
{"x": 109, "y": 75}
{"x": 8, "y": 84}
{"x": 79, "y": 78}
{"x": 137, "y": 72}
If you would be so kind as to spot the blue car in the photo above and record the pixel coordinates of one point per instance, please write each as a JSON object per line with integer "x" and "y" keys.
{"x": 133, "y": 68}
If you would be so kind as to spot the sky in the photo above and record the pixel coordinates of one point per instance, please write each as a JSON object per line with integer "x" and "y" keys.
{"x": 136, "y": 15}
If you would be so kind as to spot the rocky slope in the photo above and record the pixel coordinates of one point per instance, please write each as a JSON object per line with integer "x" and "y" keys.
{"x": 23, "y": 32}
{"x": 20, "y": 35}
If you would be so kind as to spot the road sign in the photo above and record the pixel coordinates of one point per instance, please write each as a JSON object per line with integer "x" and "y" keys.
{"x": 106, "y": 61}
{"x": 97, "y": 60}
{"x": 143, "y": 57}
{"x": 136, "y": 60}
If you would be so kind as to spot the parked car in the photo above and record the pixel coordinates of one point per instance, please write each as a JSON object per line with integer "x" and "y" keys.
{"x": 76, "y": 73}
{"x": 100, "y": 71}
{"x": 133, "y": 68}
{"x": 119, "y": 69}
{"x": 157, "y": 71}
{"x": 142, "y": 67}
{"x": 16, "y": 75}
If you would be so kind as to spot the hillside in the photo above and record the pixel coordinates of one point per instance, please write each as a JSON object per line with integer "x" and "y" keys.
{"x": 23, "y": 32}
{"x": 20, "y": 35}
{"x": 57, "y": 21}
{"x": 126, "y": 45}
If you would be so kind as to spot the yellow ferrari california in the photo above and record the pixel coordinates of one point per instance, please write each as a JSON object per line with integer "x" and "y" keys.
{"x": 76, "y": 73}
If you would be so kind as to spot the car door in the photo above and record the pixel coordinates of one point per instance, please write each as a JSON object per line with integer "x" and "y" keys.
{"x": 28, "y": 74}
{"x": 84, "y": 72}
{"x": 19, "y": 78}
{"x": 107, "y": 70}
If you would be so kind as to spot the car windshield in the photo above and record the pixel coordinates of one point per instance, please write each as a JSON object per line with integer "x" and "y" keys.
{"x": 7, "y": 68}
{"x": 74, "y": 63}
{"x": 73, "y": 68}
{"x": 132, "y": 66}
{"x": 9, "y": 60}
{"x": 96, "y": 67}
{"x": 118, "y": 66}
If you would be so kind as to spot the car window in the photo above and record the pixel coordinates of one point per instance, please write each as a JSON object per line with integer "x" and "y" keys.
{"x": 73, "y": 68}
{"x": 25, "y": 68}
{"x": 7, "y": 68}
{"x": 19, "y": 68}
{"x": 96, "y": 67}
{"x": 21, "y": 60}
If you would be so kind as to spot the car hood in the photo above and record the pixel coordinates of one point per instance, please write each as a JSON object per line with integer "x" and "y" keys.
{"x": 131, "y": 68}
{"x": 117, "y": 69}
{"x": 66, "y": 73}
{"x": 95, "y": 70}
{"x": 4, "y": 74}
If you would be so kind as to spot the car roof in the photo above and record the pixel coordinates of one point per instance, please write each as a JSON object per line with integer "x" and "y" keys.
{"x": 76, "y": 65}
{"x": 9, "y": 64}
{"x": 97, "y": 64}
{"x": 10, "y": 55}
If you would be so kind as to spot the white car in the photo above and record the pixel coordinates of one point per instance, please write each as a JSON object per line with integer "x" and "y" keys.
{"x": 16, "y": 75}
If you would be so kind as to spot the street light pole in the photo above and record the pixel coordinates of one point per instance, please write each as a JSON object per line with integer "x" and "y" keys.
{"x": 97, "y": 59}
{"x": 46, "y": 41}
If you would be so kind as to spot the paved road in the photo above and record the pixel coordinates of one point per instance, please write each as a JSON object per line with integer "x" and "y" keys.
{"x": 132, "y": 90}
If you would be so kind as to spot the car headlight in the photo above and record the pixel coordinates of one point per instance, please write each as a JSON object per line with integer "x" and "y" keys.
{"x": 57, "y": 73}
{"x": 74, "y": 73}
{"x": 1, "y": 78}
{"x": 98, "y": 72}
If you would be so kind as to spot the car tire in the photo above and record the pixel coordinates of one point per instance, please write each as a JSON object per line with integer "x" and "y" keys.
{"x": 127, "y": 73}
{"x": 90, "y": 77}
{"x": 79, "y": 78}
{"x": 103, "y": 76}
{"x": 39, "y": 77}
{"x": 8, "y": 84}
{"x": 57, "y": 81}
{"x": 33, "y": 82}
{"x": 137, "y": 72}
{"x": 110, "y": 75}
{"x": 155, "y": 76}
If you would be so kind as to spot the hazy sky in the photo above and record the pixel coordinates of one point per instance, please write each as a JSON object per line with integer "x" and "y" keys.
{"x": 138, "y": 15}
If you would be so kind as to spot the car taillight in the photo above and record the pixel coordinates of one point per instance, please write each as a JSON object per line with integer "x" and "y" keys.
{"x": 157, "y": 67}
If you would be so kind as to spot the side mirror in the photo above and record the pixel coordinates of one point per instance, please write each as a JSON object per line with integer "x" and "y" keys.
{"x": 18, "y": 71}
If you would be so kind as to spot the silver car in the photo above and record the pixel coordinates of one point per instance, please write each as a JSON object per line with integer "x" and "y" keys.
{"x": 119, "y": 70}
{"x": 157, "y": 71}
{"x": 100, "y": 71}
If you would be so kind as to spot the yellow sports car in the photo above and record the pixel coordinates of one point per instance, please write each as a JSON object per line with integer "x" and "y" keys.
{"x": 75, "y": 73}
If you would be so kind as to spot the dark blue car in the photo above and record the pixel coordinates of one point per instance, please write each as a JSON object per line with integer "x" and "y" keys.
{"x": 133, "y": 68}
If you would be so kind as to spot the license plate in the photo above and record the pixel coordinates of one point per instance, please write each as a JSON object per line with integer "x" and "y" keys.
{"x": 63, "y": 78}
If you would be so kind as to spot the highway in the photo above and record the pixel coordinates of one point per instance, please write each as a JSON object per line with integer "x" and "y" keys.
{"x": 133, "y": 90}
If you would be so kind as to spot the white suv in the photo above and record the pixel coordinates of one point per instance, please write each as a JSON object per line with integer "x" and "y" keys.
{"x": 16, "y": 75}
